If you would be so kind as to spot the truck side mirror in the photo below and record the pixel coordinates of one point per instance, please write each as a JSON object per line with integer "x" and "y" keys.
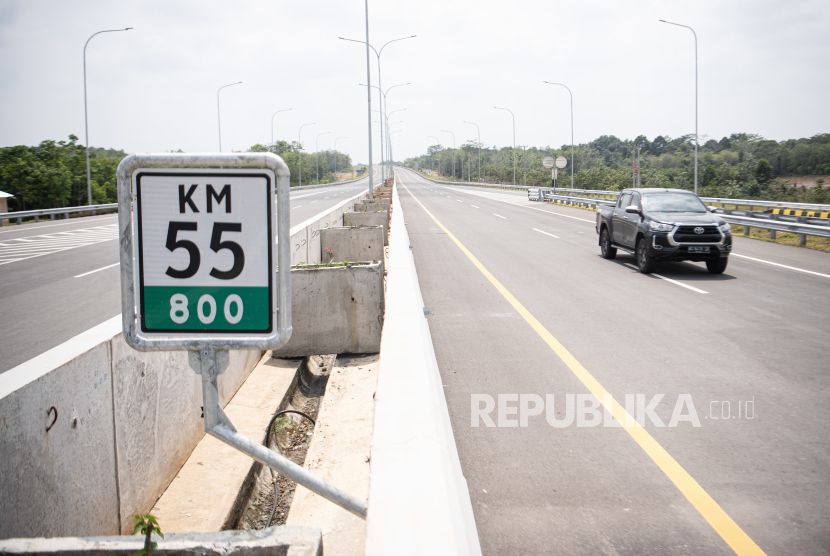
{"x": 632, "y": 209}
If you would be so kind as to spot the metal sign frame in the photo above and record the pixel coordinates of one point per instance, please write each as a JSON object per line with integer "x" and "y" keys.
{"x": 280, "y": 251}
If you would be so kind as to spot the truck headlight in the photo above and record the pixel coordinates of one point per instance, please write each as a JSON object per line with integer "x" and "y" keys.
{"x": 660, "y": 227}
{"x": 725, "y": 228}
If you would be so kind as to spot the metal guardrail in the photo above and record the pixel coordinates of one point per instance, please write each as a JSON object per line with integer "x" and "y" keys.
{"x": 20, "y": 215}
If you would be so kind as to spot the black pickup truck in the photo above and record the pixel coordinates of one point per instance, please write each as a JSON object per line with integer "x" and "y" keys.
{"x": 664, "y": 225}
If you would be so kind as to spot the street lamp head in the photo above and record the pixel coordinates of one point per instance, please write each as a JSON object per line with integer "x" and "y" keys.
{"x": 662, "y": 21}
{"x": 128, "y": 28}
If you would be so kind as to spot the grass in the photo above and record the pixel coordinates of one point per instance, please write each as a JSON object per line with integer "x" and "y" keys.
{"x": 783, "y": 238}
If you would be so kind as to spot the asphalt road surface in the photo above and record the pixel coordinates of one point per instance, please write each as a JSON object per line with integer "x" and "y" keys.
{"x": 60, "y": 278}
{"x": 522, "y": 304}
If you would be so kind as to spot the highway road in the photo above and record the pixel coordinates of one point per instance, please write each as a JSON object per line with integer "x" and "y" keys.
{"x": 522, "y": 304}
{"x": 60, "y": 278}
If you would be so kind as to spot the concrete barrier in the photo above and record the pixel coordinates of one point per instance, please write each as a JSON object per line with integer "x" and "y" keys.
{"x": 418, "y": 497}
{"x": 121, "y": 423}
{"x": 356, "y": 219}
{"x": 335, "y": 310}
{"x": 305, "y": 237}
{"x": 359, "y": 243}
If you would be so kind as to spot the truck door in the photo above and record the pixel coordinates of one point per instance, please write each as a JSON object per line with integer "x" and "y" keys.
{"x": 630, "y": 222}
{"x": 619, "y": 218}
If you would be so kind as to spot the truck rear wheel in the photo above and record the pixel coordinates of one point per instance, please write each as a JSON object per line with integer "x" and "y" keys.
{"x": 717, "y": 266}
{"x": 605, "y": 248}
{"x": 644, "y": 262}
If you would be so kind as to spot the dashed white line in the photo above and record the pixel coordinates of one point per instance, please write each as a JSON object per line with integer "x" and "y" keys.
{"x": 96, "y": 270}
{"x": 459, "y": 200}
{"x": 782, "y": 265}
{"x": 296, "y": 207}
{"x": 681, "y": 284}
{"x": 475, "y": 207}
{"x": 547, "y": 234}
{"x": 499, "y": 215}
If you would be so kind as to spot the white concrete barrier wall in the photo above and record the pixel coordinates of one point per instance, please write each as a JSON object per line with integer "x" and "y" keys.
{"x": 418, "y": 497}
{"x": 126, "y": 422}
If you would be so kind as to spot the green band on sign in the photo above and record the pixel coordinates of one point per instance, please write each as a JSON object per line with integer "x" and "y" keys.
{"x": 205, "y": 308}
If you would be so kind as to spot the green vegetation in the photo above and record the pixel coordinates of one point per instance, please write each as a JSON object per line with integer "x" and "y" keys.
{"x": 146, "y": 525}
{"x": 53, "y": 174}
{"x": 739, "y": 166}
{"x": 290, "y": 152}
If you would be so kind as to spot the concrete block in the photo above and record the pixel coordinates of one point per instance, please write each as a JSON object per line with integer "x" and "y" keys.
{"x": 352, "y": 219}
{"x": 335, "y": 310}
{"x": 352, "y": 244}
{"x": 60, "y": 482}
{"x": 288, "y": 540}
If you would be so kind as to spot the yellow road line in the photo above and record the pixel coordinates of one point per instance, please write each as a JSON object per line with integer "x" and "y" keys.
{"x": 720, "y": 521}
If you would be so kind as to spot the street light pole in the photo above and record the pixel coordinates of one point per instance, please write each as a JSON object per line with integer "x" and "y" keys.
{"x": 696, "y": 136}
{"x": 453, "y": 151}
{"x": 382, "y": 111}
{"x": 300, "y": 152}
{"x": 335, "y": 156}
{"x": 369, "y": 81}
{"x": 86, "y": 119}
{"x": 272, "y": 122}
{"x": 219, "y": 113}
{"x": 317, "y": 154}
{"x": 573, "y": 160}
{"x": 479, "y": 148}
{"x": 514, "y": 141}
{"x": 437, "y": 167}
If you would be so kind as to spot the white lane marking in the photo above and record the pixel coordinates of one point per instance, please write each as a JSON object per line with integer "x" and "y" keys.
{"x": 681, "y": 284}
{"x": 24, "y": 227}
{"x": 27, "y": 248}
{"x": 312, "y": 202}
{"x": 296, "y": 207}
{"x": 557, "y": 214}
{"x": 459, "y": 200}
{"x": 782, "y": 265}
{"x": 547, "y": 234}
{"x": 96, "y": 270}
{"x": 499, "y": 215}
{"x": 475, "y": 207}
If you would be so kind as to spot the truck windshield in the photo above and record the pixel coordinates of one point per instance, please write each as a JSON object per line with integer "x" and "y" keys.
{"x": 673, "y": 202}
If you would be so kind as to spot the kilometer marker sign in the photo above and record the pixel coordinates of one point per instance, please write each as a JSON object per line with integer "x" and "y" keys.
{"x": 204, "y": 251}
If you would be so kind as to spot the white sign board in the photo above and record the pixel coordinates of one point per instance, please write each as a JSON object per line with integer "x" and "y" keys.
{"x": 205, "y": 242}
{"x": 548, "y": 162}
{"x": 561, "y": 162}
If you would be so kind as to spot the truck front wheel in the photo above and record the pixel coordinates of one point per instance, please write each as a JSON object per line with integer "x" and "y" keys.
{"x": 605, "y": 248}
{"x": 717, "y": 266}
{"x": 644, "y": 262}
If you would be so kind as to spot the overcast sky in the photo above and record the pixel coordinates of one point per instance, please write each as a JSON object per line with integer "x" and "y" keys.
{"x": 763, "y": 68}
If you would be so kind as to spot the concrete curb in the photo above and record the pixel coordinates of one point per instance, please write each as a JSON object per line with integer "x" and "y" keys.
{"x": 418, "y": 497}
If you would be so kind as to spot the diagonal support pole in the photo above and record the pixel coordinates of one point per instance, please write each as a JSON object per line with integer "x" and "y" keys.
{"x": 211, "y": 364}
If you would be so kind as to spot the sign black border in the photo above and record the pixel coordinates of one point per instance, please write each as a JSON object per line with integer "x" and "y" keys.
{"x": 140, "y": 252}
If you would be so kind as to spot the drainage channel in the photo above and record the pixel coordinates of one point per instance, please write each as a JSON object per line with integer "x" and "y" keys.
{"x": 289, "y": 434}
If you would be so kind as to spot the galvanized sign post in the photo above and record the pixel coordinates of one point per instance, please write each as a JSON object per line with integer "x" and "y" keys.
{"x": 200, "y": 238}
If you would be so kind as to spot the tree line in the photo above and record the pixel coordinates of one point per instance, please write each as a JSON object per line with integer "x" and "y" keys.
{"x": 739, "y": 166}
{"x": 53, "y": 173}
{"x": 324, "y": 162}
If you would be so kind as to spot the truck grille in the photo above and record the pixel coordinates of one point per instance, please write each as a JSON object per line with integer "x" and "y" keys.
{"x": 686, "y": 234}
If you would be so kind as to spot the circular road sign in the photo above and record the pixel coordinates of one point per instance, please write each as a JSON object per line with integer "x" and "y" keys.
{"x": 561, "y": 162}
{"x": 548, "y": 162}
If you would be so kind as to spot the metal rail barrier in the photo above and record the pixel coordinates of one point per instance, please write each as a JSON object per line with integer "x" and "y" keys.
{"x": 20, "y": 215}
